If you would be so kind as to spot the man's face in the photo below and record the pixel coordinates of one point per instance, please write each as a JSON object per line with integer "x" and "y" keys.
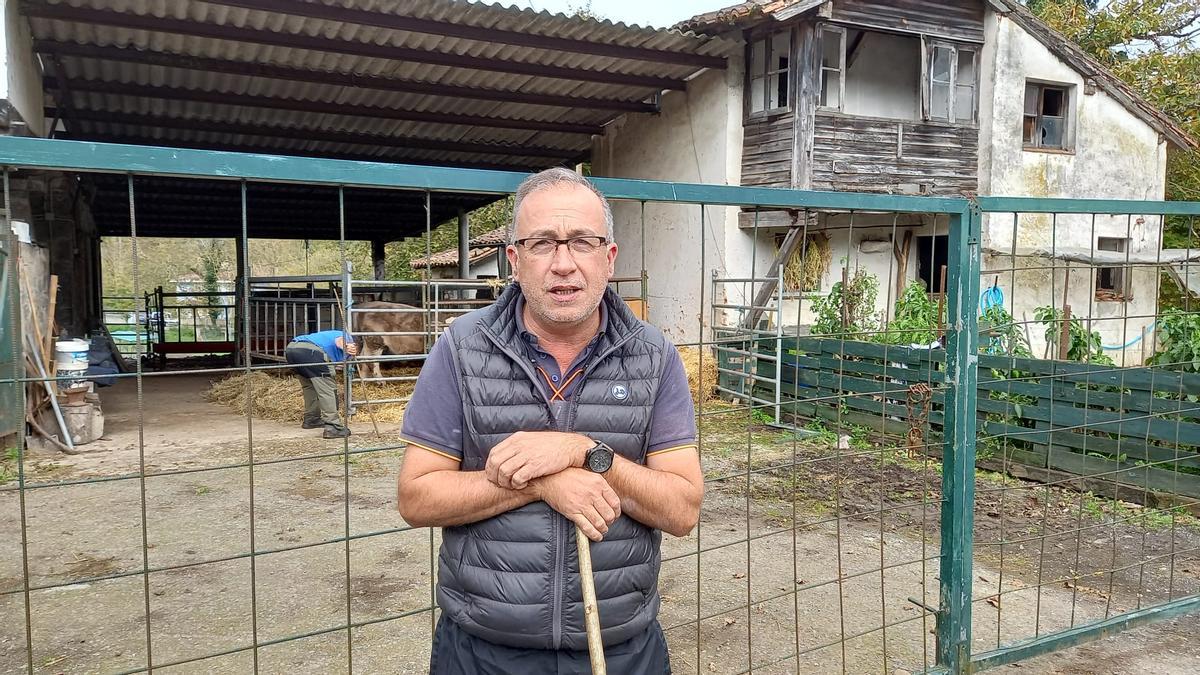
{"x": 563, "y": 287}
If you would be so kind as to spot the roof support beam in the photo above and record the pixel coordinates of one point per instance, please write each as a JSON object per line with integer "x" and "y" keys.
{"x": 375, "y": 140}
{"x": 101, "y": 17}
{"x": 205, "y": 64}
{"x": 432, "y": 27}
{"x": 252, "y": 101}
{"x": 258, "y": 148}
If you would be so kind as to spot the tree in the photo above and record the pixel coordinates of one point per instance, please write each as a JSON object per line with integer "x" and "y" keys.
{"x": 444, "y": 236}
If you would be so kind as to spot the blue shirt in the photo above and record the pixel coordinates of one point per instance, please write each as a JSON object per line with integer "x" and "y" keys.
{"x": 434, "y": 417}
{"x": 327, "y": 341}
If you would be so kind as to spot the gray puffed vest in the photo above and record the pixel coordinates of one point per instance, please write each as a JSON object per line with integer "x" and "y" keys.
{"x": 513, "y": 579}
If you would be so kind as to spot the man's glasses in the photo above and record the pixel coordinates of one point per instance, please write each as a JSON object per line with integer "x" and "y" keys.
{"x": 541, "y": 246}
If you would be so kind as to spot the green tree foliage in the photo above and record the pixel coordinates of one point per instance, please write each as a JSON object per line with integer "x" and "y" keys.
{"x": 445, "y": 236}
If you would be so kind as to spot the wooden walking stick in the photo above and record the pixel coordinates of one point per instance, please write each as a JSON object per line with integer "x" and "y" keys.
{"x": 591, "y": 613}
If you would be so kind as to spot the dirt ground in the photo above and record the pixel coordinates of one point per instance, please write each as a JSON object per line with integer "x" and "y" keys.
{"x": 822, "y": 573}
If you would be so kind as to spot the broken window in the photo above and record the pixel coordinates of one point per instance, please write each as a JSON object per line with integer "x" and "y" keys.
{"x": 1045, "y": 120}
{"x": 882, "y": 75}
{"x": 833, "y": 67}
{"x": 1112, "y": 282}
{"x": 768, "y": 72}
{"x": 950, "y": 83}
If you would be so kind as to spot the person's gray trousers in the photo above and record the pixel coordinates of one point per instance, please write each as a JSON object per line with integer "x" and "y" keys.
{"x": 316, "y": 382}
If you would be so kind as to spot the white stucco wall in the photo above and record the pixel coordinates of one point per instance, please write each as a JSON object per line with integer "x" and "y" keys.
{"x": 696, "y": 138}
{"x": 1114, "y": 155}
{"x": 22, "y": 84}
{"x": 885, "y": 78}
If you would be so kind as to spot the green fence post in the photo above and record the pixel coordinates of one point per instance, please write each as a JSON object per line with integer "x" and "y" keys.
{"x": 958, "y": 469}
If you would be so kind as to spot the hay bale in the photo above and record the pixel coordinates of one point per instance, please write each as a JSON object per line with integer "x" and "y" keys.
{"x": 692, "y": 364}
{"x": 275, "y": 395}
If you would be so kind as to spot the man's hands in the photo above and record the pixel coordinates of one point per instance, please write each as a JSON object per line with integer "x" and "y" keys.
{"x": 527, "y": 455}
{"x": 585, "y": 498}
{"x": 350, "y": 348}
{"x": 547, "y": 462}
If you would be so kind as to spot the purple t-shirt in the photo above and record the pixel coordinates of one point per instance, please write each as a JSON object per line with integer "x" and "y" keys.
{"x": 434, "y": 417}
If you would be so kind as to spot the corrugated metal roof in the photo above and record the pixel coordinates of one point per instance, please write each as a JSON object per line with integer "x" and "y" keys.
{"x": 423, "y": 81}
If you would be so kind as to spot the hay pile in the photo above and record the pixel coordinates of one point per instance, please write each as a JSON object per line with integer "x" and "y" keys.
{"x": 276, "y": 396}
{"x": 691, "y": 363}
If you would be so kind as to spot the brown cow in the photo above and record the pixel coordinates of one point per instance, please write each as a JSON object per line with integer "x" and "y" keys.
{"x": 387, "y": 322}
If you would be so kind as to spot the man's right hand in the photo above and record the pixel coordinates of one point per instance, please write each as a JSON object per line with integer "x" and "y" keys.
{"x": 585, "y": 498}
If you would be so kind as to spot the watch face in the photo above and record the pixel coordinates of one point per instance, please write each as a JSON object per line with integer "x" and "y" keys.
{"x": 600, "y": 459}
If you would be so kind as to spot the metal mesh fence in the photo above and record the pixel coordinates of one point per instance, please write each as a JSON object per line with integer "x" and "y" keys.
{"x": 844, "y": 528}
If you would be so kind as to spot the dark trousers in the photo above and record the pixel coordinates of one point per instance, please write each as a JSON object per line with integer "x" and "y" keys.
{"x": 456, "y": 652}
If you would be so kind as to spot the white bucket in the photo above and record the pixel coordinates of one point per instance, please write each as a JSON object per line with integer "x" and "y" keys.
{"x": 71, "y": 361}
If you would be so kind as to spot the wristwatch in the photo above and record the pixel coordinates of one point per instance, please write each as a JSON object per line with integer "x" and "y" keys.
{"x": 599, "y": 458}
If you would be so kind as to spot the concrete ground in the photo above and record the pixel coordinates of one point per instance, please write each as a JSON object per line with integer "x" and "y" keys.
{"x": 764, "y": 575}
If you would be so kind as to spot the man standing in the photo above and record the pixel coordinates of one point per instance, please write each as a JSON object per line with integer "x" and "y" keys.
{"x": 313, "y": 356}
{"x": 553, "y": 407}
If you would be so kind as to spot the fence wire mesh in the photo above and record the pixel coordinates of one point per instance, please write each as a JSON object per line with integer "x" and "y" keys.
{"x": 844, "y": 529}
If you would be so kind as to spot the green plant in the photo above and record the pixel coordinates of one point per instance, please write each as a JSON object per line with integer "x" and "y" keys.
{"x": 915, "y": 320}
{"x": 1178, "y": 340}
{"x": 8, "y": 466}
{"x": 1082, "y": 344}
{"x": 761, "y": 416}
{"x": 823, "y": 434}
{"x": 1004, "y": 336}
{"x": 849, "y": 308}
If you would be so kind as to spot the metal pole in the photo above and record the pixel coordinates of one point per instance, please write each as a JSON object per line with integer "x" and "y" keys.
{"x": 464, "y": 240}
{"x": 958, "y": 468}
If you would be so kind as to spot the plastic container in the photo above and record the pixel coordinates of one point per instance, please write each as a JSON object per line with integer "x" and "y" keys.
{"x": 71, "y": 362}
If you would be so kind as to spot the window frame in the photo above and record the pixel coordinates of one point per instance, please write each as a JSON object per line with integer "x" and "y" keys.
{"x": 1068, "y": 117}
{"x": 822, "y": 29}
{"x": 786, "y": 74}
{"x": 1122, "y": 288}
{"x": 928, "y": 51}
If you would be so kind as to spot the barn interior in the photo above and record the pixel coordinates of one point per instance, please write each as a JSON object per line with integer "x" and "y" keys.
{"x": 434, "y": 84}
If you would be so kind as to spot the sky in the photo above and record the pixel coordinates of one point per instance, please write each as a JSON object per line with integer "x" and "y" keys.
{"x": 657, "y": 13}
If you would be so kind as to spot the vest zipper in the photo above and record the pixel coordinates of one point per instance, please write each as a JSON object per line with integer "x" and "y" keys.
{"x": 560, "y": 573}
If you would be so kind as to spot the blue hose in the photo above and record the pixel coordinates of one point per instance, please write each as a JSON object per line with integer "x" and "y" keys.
{"x": 992, "y": 297}
{"x": 1132, "y": 342}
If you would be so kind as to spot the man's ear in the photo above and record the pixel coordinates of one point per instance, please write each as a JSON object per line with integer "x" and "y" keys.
{"x": 514, "y": 264}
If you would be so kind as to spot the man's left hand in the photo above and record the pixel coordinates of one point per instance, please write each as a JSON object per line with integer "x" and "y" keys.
{"x": 527, "y": 455}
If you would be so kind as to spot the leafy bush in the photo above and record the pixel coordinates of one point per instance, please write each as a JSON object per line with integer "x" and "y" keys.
{"x": 1178, "y": 341}
{"x": 1082, "y": 344}
{"x": 1005, "y": 336}
{"x": 916, "y": 319}
{"x": 848, "y": 311}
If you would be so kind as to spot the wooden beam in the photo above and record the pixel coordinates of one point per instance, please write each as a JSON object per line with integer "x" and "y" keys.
{"x": 790, "y": 241}
{"x": 375, "y": 140}
{"x": 477, "y": 33}
{"x": 333, "y": 78}
{"x": 101, "y": 17}
{"x": 325, "y": 107}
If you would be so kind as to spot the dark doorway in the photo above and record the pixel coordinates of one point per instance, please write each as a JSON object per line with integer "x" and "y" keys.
{"x": 932, "y": 257}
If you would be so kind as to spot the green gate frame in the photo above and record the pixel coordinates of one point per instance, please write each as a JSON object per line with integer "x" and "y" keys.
{"x": 953, "y": 615}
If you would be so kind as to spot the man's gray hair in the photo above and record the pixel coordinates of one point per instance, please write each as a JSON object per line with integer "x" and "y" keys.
{"x": 550, "y": 178}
